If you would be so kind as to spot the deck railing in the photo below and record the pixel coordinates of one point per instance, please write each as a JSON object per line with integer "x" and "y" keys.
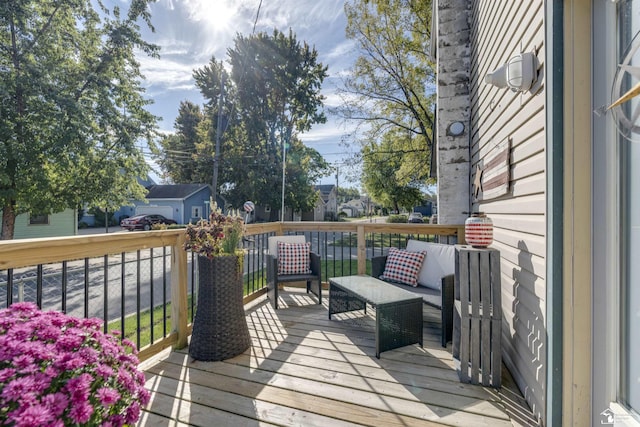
{"x": 144, "y": 284}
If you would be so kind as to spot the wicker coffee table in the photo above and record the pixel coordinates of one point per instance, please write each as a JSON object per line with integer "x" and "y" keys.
{"x": 398, "y": 312}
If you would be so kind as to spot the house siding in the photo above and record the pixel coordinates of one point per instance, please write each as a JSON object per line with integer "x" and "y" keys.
{"x": 500, "y": 30}
{"x": 60, "y": 224}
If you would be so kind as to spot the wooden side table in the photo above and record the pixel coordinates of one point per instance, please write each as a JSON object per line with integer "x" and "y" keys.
{"x": 477, "y": 315}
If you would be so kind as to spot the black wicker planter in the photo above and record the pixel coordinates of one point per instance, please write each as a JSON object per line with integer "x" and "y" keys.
{"x": 220, "y": 328}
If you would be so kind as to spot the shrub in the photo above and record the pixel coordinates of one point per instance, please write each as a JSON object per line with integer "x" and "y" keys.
{"x": 397, "y": 218}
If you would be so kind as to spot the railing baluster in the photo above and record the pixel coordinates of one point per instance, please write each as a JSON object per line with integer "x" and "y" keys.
{"x": 64, "y": 286}
{"x": 138, "y": 298}
{"x": 86, "y": 287}
{"x": 39, "y": 286}
{"x": 151, "y": 306}
{"x": 9, "y": 287}
{"x": 164, "y": 291}
{"x": 123, "y": 277}
{"x": 105, "y": 300}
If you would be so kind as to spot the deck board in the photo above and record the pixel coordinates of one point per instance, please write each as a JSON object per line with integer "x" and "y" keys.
{"x": 306, "y": 370}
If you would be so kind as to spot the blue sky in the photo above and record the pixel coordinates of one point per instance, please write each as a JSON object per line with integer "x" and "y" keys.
{"x": 189, "y": 32}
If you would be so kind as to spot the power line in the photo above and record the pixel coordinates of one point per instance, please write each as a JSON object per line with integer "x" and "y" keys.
{"x": 257, "y": 15}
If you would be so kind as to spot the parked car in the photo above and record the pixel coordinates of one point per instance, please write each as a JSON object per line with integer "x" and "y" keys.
{"x": 415, "y": 217}
{"x": 144, "y": 222}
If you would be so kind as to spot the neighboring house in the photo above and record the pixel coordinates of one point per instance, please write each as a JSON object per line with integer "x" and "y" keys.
{"x": 353, "y": 208}
{"x": 326, "y": 206}
{"x": 63, "y": 223}
{"x": 120, "y": 213}
{"x": 561, "y": 184}
{"x": 183, "y": 203}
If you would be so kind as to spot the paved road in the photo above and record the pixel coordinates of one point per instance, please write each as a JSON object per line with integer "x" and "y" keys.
{"x": 100, "y": 230}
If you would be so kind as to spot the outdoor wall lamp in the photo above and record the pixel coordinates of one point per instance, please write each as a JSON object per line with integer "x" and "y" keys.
{"x": 518, "y": 74}
{"x": 455, "y": 129}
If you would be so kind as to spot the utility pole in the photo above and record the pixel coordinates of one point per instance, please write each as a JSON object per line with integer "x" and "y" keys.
{"x": 284, "y": 163}
{"x": 216, "y": 156}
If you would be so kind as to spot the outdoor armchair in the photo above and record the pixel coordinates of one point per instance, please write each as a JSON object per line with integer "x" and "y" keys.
{"x": 288, "y": 262}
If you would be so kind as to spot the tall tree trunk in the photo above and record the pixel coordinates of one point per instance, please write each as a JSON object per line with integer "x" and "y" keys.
{"x": 8, "y": 221}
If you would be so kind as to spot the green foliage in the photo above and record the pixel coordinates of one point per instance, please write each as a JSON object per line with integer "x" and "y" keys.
{"x": 180, "y": 157}
{"x": 71, "y": 107}
{"x": 219, "y": 235}
{"x": 391, "y": 89}
{"x": 346, "y": 194}
{"x": 397, "y": 218}
{"x": 383, "y": 178}
{"x": 99, "y": 217}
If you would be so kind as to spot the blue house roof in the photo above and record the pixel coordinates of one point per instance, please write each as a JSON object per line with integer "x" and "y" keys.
{"x": 173, "y": 191}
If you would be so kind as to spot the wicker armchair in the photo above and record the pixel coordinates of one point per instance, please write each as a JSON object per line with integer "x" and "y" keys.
{"x": 314, "y": 280}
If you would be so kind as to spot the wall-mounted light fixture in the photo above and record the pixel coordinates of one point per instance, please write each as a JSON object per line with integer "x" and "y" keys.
{"x": 518, "y": 74}
{"x": 455, "y": 129}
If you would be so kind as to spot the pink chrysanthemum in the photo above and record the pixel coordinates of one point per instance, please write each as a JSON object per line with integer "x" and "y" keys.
{"x": 81, "y": 412}
{"x": 36, "y": 415}
{"x": 56, "y": 370}
{"x": 108, "y": 396}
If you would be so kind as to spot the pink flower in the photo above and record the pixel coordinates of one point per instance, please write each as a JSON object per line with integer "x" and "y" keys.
{"x": 17, "y": 388}
{"x": 70, "y": 341}
{"x": 81, "y": 412}
{"x": 36, "y": 415}
{"x": 117, "y": 420}
{"x": 56, "y": 403}
{"x": 6, "y": 374}
{"x": 133, "y": 413}
{"x": 104, "y": 371}
{"x": 22, "y": 361}
{"x": 78, "y": 388}
{"x": 144, "y": 396}
{"x": 108, "y": 396}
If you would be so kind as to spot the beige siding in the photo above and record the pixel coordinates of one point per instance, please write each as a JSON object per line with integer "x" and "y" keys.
{"x": 501, "y": 29}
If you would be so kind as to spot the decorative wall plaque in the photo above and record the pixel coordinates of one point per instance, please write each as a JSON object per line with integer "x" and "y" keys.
{"x": 495, "y": 173}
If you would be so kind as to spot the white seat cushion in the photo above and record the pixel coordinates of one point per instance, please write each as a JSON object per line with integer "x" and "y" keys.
{"x": 273, "y": 242}
{"x": 439, "y": 262}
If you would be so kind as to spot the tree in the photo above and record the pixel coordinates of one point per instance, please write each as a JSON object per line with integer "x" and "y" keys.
{"x": 392, "y": 84}
{"x": 271, "y": 95}
{"x": 71, "y": 106}
{"x": 346, "y": 194}
{"x": 181, "y": 160}
{"x": 383, "y": 179}
{"x": 278, "y": 83}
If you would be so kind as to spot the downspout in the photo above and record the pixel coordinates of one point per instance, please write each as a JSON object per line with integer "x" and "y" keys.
{"x": 554, "y": 93}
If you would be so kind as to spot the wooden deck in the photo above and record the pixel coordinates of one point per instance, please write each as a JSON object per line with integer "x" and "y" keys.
{"x": 306, "y": 370}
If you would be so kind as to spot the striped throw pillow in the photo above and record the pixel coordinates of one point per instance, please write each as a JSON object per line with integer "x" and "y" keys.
{"x": 403, "y": 267}
{"x": 293, "y": 258}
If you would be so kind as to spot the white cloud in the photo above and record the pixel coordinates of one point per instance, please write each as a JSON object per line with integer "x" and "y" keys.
{"x": 167, "y": 74}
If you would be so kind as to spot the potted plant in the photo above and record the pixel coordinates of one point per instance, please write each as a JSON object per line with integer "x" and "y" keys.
{"x": 58, "y": 370}
{"x": 219, "y": 328}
